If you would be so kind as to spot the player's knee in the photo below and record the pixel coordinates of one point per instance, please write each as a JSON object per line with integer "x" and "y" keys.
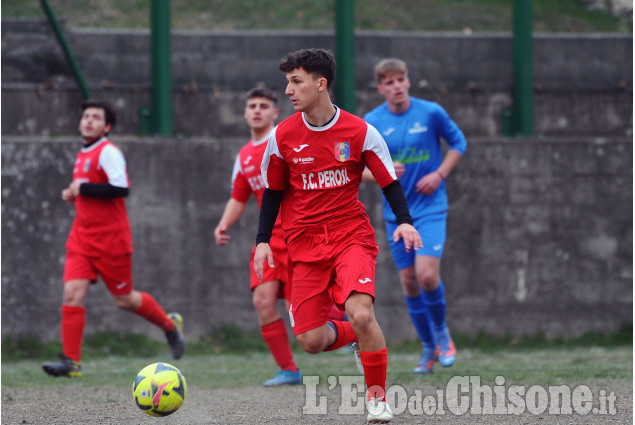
{"x": 428, "y": 279}
{"x": 124, "y": 302}
{"x": 309, "y": 344}
{"x": 361, "y": 319}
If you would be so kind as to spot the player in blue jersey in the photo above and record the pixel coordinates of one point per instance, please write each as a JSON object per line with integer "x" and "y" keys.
{"x": 413, "y": 129}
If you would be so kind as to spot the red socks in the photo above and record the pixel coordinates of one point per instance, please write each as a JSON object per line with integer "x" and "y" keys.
{"x": 275, "y": 335}
{"x": 344, "y": 334}
{"x": 153, "y": 313}
{"x": 375, "y": 365}
{"x": 73, "y": 320}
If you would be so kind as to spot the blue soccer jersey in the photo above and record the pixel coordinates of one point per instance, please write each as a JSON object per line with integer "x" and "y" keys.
{"x": 414, "y": 139}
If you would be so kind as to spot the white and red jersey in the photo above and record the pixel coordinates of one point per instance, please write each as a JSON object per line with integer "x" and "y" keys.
{"x": 101, "y": 226}
{"x": 320, "y": 168}
{"x": 247, "y": 177}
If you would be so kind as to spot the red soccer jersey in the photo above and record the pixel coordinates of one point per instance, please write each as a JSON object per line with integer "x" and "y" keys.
{"x": 247, "y": 177}
{"x": 320, "y": 168}
{"x": 101, "y": 226}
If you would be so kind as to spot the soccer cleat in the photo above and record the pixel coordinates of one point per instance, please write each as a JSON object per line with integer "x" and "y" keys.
{"x": 446, "y": 352}
{"x": 175, "y": 336}
{"x": 65, "y": 367}
{"x": 426, "y": 361}
{"x": 378, "y": 411}
{"x": 358, "y": 358}
{"x": 285, "y": 377}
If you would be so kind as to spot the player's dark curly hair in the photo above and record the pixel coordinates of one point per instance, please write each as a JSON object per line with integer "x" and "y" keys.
{"x": 262, "y": 92}
{"x": 318, "y": 62}
{"x": 109, "y": 111}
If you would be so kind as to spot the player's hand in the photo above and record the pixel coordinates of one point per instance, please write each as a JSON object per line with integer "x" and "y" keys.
{"x": 263, "y": 254}
{"x": 74, "y": 187}
{"x": 67, "y": 195}
{"x": 411, "y": 238}
{"x": 429, "y": 183}
{"x": 221, "y": 236}
{"x": 400, "y": 169}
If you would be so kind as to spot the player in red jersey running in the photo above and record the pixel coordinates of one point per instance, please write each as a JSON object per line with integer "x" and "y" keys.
{"x": 261, "y": 111}
{"x": 312, "y": 169}
{"x": 100, "y": 241}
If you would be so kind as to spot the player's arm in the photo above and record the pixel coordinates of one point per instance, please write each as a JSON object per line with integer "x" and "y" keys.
{"x": 457, "y": 145}
{"x": 430, "y": 182}
{"x": 269, "y": 208}
{"x": 400, "y": 169}
{"x": 377, "y": 158}
{"x": 98, "y": 190}
{"x": 233, "y": 211}
{"x": 112, "y": 161}
{"x": 396, "y": 198}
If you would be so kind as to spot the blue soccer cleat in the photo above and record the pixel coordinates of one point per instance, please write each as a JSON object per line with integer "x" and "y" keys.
{"x": 446, "y": 352}
{"x": 426, "y": 361}
{"x": 285, "y": 377}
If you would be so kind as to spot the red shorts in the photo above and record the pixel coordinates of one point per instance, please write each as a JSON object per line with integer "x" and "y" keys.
{"x": 329, "y": 263}
{"x": 116, "y": 272}
{"x": 280, "y": 271}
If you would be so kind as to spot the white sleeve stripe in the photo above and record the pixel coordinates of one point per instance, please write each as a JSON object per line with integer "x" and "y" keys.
{"x": 237, "y": 169}
{"x": 374, "y": 142}
{"x": 272, "y": 149}
{"x": 112, "y": 161}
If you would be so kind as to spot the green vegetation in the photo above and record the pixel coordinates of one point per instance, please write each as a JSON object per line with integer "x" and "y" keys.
{"x": 229, "y": 357}
{"x": 544, "y": 367}
{"x": 396, "y": 15}
{"x": 230, "y": 339}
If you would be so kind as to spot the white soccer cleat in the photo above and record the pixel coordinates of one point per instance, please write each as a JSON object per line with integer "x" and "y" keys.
{"x": 378, "y": 411}
{"x": 358, "y": 357}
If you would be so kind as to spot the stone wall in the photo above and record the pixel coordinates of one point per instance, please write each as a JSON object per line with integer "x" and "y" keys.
{"x": 539, "y": 237}
{"x": 583, "y": 82}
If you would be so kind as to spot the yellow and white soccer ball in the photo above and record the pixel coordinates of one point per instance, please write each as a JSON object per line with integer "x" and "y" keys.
{"x": 159, "y": 389}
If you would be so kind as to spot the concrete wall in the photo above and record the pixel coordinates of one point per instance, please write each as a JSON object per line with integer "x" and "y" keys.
{"x": 583, "y": 82}
{"x": 540, "y": 237}
{"x": 540, "y": 230}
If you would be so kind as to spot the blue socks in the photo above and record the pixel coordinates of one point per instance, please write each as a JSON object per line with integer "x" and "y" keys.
{"x": 427, "y": 313}
{"x": 435, "y": 303}
{"x": 419, "y": 317}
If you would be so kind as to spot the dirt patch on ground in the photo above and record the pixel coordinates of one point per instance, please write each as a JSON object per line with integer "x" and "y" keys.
{"x": 254, "y": 405}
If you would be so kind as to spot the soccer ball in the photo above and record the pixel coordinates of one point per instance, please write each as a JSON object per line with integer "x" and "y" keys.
{"x": 159, "y": 389}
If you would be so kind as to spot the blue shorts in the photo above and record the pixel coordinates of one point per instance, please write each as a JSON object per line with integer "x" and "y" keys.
{"x": 432, "y": 231}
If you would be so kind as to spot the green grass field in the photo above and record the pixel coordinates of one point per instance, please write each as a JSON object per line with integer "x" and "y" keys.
{"x": 229, "y": 357}
{"x": 225, "y": 372}
{"x": 554, "y": 366}
{"x": 402, "y": 15}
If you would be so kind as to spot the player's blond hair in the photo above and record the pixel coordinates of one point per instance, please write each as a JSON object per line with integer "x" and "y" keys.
{"x": 390, "y": 66}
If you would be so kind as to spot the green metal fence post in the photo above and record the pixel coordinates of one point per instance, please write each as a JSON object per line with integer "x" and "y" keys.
{"x": 523, "y": 111}
{"x": 161, "y": 112}
{"x": 66, "y": 48}
{"x": 345, "y": 54}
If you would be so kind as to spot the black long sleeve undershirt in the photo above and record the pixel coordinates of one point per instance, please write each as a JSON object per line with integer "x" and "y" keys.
{"x": 397, "y": 200}
{"x": 103, "y": 190}
{"x": 269, "y": 208}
